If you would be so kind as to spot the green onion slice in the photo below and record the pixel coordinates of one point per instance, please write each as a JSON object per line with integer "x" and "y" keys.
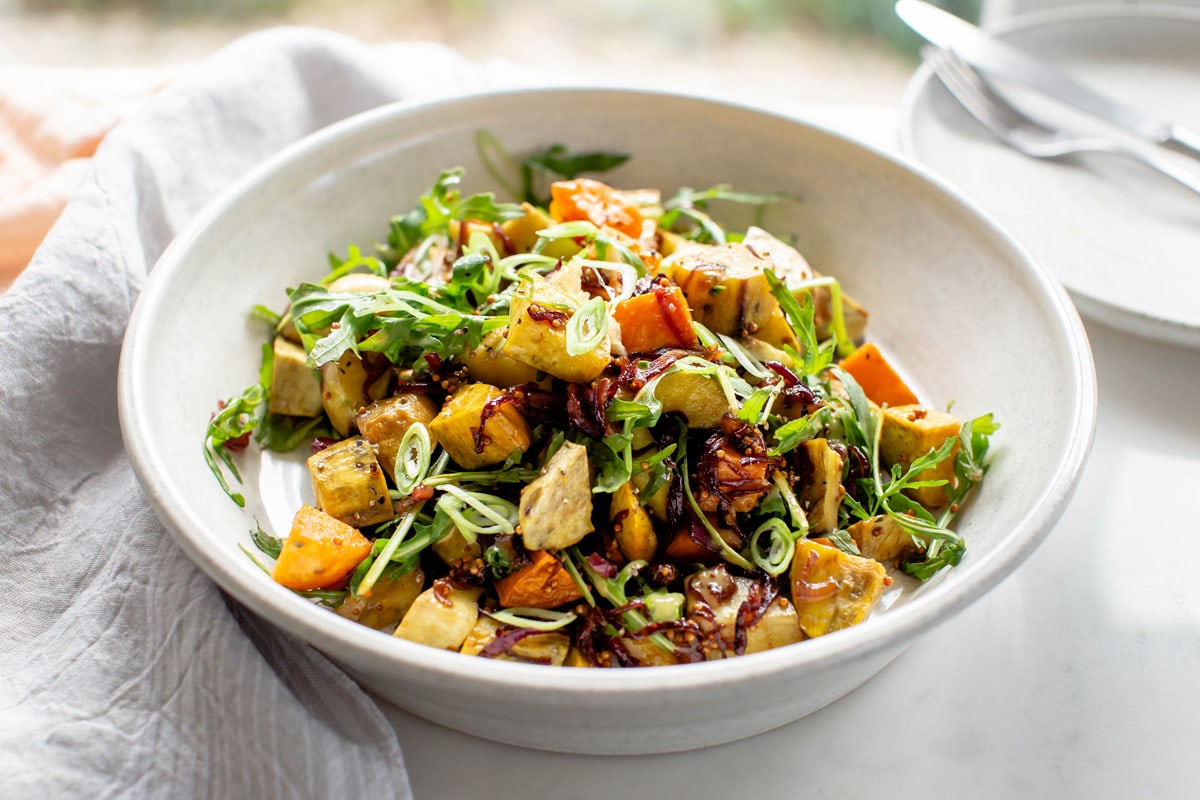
{"x": 412, "y": 460}
{"x": 538, "y": 619}
{"x": 587, "y": 327}
{"x": 775, "y": 556}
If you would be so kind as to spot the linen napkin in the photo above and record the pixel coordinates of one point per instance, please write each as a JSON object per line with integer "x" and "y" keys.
{"x": 124, "y": 671}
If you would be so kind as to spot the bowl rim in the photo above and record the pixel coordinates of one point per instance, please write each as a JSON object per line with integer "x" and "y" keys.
{"x": 332, "y": 634}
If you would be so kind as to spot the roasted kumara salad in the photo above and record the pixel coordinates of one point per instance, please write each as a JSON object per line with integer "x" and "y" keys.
{"x": 595, "y": 429}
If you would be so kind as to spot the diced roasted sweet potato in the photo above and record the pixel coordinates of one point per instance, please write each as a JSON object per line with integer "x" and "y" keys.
{"x": 724, "y": 595}
{"x": 692, "y": 546}
{"x": 631, "y": 525}
{"x": 549, "y": 648}
{"x": 832, "y": 589}
{"x": 556, "y": 507}
{"x": 384, "y": 423}
{"x": 537, "y": 334}
{"x": 879, "y": 380}
{"x": 454, "y": 546}
{"x": 601, "y": 204}
{"x": 295, "y": 388}
{"x": 488, "y": 363}
{"x": 882, "y": 539}
{"x": 389, "y": 601}
{"x": 646, "y": 653}
{"x": 348, "y": 483}
{"x": 822, "y": 493}
{"x": 542, "y": 583}
{"x": 792, "y": 268}
{"x": 658, "y": 318}
{"x": 576, "y": 658}
{"x": 522, "y": 234}
{"x": 464, "y": 231}
{"x": 910, "y": 432}
{"x": 481, "y": 635}
{"x": 319, "y": 551}
{"x": 441, "y": 616}
{"x": 728, "y": 292}
{"x": 343, "y": 390}
{"x": 656, "y": 503}
{"x": 456, "y": 425}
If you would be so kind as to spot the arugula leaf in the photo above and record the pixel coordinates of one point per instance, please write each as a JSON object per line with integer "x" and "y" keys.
{"x": 947, "y": 555}
{"x": 237, "y": 418}
{"x": 559, "y": 162}
{"x": 265, "y": 542}
{"x": 612, "y": 461}
{"x": 692, "y": 205}
{"x": 802, "y": 319}
{"x": 438, "y": 207}
{"x": 970, "y": 464}
{"x": 661, "y": 468}
{"x": 284, "y": 434}
{"x": 404, "y": 323}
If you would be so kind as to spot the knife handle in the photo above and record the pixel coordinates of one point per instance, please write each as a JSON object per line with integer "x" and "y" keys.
{"x": 1182, "y": 140}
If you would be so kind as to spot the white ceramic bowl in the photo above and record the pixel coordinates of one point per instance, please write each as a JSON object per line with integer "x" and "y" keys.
{"x": 975, "y": 321}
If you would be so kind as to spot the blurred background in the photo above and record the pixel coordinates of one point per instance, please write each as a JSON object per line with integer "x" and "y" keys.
{"x": 757, "y": 50}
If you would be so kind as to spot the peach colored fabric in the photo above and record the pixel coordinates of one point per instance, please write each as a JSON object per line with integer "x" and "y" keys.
{"x": 51, "y": 121}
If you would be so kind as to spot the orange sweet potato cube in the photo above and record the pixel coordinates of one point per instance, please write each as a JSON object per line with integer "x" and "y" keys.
{"x": 659, "y": 318}
{"x": 543, "y": 583}
{"x": 319, "y": 551}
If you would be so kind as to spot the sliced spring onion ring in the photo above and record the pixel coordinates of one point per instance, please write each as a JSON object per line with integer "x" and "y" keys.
{"x": 564, "y": 230}
{"x": 587, "y": 327}
{"x": 799, "y": 518}
{"x": 538, "y": 619}
{"x": 745, "y": 360}
{"x": 781, "y": 547}
{"x": 476, "y": 513}
{"x": 412, "y": 459}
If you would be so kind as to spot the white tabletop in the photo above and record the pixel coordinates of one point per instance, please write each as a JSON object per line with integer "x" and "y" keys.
{"x": 1076, "y": 677}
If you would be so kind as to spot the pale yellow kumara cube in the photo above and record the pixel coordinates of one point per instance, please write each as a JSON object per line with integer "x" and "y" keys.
{"x": 295, "y": 387}
{"x": 488, "y": 363}
{"x": 537, "y": 334}
{"x": 910, "y": 432}
{"x": 727, "y": 289}
{"x": 883, "y": 539}
{"x": 389, "y": 601}
{"x": 724, "y": 596}
{"x": 821, "y": 493}
{"x": 349, "y": 484}
{"x": 441, "y": 617}
{"x": 833, "y": 589}
{"x": 384, "y": 423}
{"x": 455, "y": 427}
{"x": 555, "y": 511}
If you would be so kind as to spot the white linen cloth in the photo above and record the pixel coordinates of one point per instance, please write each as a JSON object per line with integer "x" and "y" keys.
{"x": 124, "y": 671}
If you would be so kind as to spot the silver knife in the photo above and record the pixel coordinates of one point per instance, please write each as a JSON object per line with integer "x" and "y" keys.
{"x": 998, "y": 58}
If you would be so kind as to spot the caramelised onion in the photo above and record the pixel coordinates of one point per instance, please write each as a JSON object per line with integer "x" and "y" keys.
{"x": 759, "y": 599}
{"x": 504, "y": 640}
{"x": 734, "y": 472}
{"x": 795, "y": 390}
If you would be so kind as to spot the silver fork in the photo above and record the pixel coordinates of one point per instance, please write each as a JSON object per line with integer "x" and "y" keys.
{"x": 1026, "y": 134}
